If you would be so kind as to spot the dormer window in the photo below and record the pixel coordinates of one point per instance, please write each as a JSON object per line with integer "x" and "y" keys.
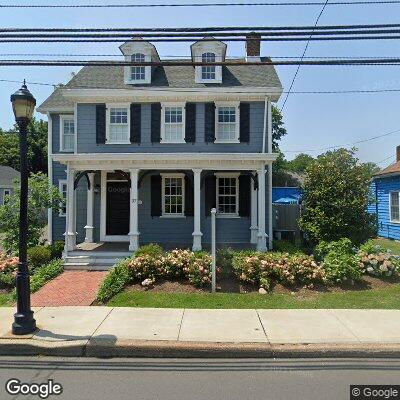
{"x": 208, "y": 71}
{"x": 138, "y": 73}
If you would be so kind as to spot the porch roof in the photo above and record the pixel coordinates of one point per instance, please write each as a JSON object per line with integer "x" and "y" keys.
{"x": 222, "y": 161}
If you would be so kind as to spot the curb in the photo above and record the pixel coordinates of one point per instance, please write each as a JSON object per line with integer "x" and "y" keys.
{"x": 174, "y": 349}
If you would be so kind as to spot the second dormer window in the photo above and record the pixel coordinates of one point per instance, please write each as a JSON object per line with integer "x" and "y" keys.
{"x": 208, "y": 71}
{"x": 138, "y": 73}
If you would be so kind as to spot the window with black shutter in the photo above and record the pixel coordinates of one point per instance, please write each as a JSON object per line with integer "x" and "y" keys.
{"x": 155, "y": 122}
{"x": 209, "y": 122}
{"x": 190, "y": 125}
{"x": 189, "y": 197}
{"x": 244, "y": 134}
{"x": 100, "y": 123}
{"x": 156, "y": 195}
{"x": 136, "y": 123}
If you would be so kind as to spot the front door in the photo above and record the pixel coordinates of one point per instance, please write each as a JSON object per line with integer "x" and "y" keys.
{"x": 117, "y": 211}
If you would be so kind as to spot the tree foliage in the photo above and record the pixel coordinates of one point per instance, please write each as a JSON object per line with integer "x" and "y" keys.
{"x": 40, "y": 198}
{"x": 37, "y": 147}
{"x": 300, "y": 163}
{"x": 278, "y": 128}
{"x": 336, "y": 195}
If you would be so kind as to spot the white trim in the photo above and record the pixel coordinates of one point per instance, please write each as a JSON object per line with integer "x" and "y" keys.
{"x": 269, "y": 127}
{"x": 163, "y": 213}
{"x": 236, "y": 105}
{"x": 118, "y": 105}
{"x": 103, "y": 210}
{"x": 393, "y": 221}
{"x": 50, "y": 174}
{"x": 76, "y": 127}
{"x": 197, "y": 234}
{"x": 233, "y": 176}
{"x": 64, "y": 117}
{"x": 162, "y": 133}
{"x": 62, "y": 182}
{"x": 147, "y": 69}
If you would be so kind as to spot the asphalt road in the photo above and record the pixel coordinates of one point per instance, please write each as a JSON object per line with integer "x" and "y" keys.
{"x": 192, "y": 379}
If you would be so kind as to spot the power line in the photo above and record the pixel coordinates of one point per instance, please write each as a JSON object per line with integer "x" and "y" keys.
{"x": 247, "y": 4}
{"x": 344, "y": 145}
{"x": 385, "y": 159}
{"x": 302, "y": 57}
{"x": 346, "y": 62}
{"x": 29, "y": 83}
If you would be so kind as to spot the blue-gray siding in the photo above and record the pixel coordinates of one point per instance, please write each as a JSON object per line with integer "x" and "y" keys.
{"x": 87, "y": 134}
{"x": 382, "y": 188}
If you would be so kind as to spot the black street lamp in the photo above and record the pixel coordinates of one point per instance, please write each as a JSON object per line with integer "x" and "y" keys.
{"x": 23, "y": 106}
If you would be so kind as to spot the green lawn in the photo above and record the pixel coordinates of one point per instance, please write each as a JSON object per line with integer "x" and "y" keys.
{"x": 388, "y": 244}
{"x": 388, "y": 298}
{"x": 4, "y": 299}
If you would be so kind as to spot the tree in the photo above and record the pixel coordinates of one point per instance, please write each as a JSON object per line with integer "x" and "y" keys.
{"x": 41, "y": 196}
{"x": 336, "y": 195}
{"x": 37, "y": 147}
{"x": 300, "y": 163}
{"x": 278, "y": 129}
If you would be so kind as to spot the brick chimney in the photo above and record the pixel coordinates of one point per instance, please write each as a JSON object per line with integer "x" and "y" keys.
{"x": 398, "y": 153}
{"x": 253, "y": 44}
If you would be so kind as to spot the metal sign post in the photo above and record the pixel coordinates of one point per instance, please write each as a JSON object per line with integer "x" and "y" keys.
{"x": 213, "y": 250}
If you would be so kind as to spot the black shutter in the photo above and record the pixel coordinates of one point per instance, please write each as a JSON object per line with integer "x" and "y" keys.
{"x": 155, "y": 122}
{"x": 244, "y": 122}
{"x": 155, "y": 195}
{"x": 210, "y": 193}
{"x": 136, "y": 122}
{"x": 100, "y": 123}
{"x": 189, "y": 197}
{"x": 209, "y": 122}
{"x": 244, "y": 195}
{"x": 190, "y": 128}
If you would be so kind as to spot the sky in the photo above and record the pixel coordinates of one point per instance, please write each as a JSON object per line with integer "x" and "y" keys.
{"x": 313, "y": 122}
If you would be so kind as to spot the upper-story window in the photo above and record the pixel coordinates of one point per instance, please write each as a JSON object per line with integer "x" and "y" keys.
{"x": 208, "y": 71}
{"x": 138, "y": 73}
{"x": 67, "y": 133}
{"x": 173, "y": 127}
{"x": 227, "y": 123}
{"x": 118, "y": 124}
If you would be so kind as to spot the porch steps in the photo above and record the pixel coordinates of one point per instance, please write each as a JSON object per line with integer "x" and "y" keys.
{"x": 93, "y": 260}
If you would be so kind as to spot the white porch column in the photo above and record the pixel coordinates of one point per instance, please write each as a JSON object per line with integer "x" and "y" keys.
{"x": 133, "y": 220}
{"x": 253, "y": 214}
{"x": 197, "y": 210}
{"x": 70, "y": 234}
{"x": 270, "y": 229}
{"x": 89, "y": 210}
{"x": 261, "y": 243}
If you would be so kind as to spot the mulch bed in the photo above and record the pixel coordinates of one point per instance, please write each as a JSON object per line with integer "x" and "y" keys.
{"x": 229, "y": 284}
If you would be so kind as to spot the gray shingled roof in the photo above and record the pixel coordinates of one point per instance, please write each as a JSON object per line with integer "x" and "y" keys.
{"x": 112, "y": 77}
{"x": 8, "y": 175}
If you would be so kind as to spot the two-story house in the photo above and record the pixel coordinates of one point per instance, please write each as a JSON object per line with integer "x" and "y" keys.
{"x": 143, "y": 153}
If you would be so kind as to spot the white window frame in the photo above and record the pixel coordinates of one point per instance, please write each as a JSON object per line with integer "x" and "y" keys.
{"x": 163, "y": 123}
{"x": 144, "y": 67}
{"x": 163, "y": 213}
{"x": 108, "y": 114}
{"x": 62, "y": 142}
{"x": 147, "y": 69}
{"x": 214, "y": 66}
{"x": 62, "y": 182}
{"x": 227, "y": 175}
{"x": 395, "y": 221}
{"x": 236, "y": 105}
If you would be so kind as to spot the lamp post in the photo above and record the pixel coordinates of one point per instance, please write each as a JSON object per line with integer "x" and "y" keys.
{"x": 23, "y": 106}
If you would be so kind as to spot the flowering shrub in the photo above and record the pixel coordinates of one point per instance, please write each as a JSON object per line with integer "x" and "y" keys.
{"x": 262, "y": 268}
{"x": 342, "y": 267}
{"x": 8, "y": 268}
{"x": 379, "y": 264}
{"x": 199, "y": 268}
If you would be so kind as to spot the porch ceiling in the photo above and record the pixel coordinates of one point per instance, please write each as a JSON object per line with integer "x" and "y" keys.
{"x": 215, "y": 161}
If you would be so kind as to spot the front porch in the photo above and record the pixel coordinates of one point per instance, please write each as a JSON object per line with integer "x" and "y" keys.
{"x": 115, "y": 208}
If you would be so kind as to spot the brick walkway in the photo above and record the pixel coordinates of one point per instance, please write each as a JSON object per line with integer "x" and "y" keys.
{"x": 71, "y": 288}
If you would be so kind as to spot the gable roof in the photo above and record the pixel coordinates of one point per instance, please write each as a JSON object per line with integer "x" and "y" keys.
{"x": 112, "y": 77}
{"x": 8, "y": 175}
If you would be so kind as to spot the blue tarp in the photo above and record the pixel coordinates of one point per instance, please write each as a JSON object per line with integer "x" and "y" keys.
{"x": 286, "y": 195}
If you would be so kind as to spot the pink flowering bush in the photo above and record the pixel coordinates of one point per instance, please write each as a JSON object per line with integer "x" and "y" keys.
{"x": 153, "y": 265}
{"x": 263, "y": 268}
{"x": 379, "y": 264}
{"x": 8, "y": 268}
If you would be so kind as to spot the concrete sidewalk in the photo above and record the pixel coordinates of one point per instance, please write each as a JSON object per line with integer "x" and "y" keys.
{"x": 106, "y": 331}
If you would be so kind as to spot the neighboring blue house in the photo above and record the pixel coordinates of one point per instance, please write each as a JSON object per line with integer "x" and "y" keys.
{"x": 386, "y": 191}
{"x": 143, "y": 153}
